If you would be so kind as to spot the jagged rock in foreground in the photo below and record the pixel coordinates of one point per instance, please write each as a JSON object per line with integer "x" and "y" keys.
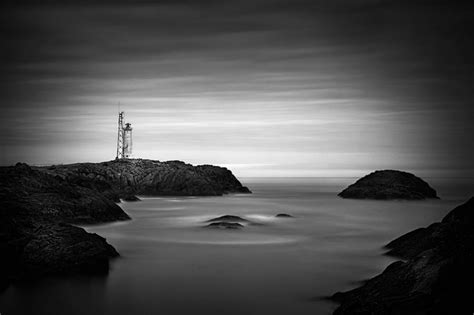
{"x": 437, "y": 276}
{"x": 389, "y": 184}
{"x": 121, "y": 178}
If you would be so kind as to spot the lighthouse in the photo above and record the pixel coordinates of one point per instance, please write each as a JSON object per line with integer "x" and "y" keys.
{"x": 127, "y": 141}
{"x": 124, "y": 139}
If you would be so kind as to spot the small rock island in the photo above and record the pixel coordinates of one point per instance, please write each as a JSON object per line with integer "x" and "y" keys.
{"x": 38, "y": 206}
{"x": 227, "y": 222}
{"x": 389, "y": 184}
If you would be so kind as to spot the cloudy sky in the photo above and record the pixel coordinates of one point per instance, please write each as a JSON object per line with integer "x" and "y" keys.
{"x": 265, "y": 87}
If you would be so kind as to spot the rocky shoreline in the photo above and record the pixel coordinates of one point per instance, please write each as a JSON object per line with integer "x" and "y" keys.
{"x": 434, "y": 277}
{"x": 38, "y": 206}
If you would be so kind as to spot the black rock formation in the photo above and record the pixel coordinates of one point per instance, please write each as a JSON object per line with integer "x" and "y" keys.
{"x": 436, "y": 276}
{"x": 284, "y": 215}
{"x": 389, "y": 184}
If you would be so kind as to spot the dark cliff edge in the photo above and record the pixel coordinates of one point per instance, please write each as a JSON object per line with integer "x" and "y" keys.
{"x": 38, "y": 206}
{"x": 389, "y": 184}
{"x": 436, "y": 275}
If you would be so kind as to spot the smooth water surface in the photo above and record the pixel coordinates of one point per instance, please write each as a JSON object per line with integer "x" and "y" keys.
{"x": 171, "y": 264}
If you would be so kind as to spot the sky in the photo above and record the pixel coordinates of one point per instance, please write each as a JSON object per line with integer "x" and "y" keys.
{"x": 263, "y": 87}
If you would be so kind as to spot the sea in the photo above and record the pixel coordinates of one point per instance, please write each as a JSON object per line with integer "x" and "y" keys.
{"x": 171, "y": 263}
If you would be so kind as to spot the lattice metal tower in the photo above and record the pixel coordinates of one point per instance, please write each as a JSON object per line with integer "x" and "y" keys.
{"x": 124, "y": 139}
{"x": 120, "y": 137}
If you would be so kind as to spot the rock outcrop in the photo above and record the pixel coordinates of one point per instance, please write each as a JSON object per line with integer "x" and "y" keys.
{"x": 435, "y": 277}
{"x": 389, "y": 184}
{"x": 283, "y": 215}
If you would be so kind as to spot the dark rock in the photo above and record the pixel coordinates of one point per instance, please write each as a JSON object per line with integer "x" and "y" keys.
{"x": 284, "y": 215}
{"x": 225, "y": 225}
{"x": 436, "y": 278}
{"x": 389, "y": 184}
{"x": 228, "y": 218}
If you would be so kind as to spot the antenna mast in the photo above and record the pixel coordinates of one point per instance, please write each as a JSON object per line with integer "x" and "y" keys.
{"x": 120, "y": 136}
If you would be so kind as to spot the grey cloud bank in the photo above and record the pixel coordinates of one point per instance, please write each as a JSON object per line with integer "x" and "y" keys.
{"x": 299, "y": 88}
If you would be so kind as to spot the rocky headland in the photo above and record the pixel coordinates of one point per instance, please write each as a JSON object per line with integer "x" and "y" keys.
{"x": 389, "y": 184}
{"x": 435, "y": 275}
{"x": 38, "y": 206}
{"x": 129, "y": 177}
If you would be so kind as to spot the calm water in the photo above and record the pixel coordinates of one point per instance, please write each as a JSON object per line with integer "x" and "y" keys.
{"x": 170, "y": 264}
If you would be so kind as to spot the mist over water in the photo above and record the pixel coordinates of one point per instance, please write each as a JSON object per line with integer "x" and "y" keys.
{"x": 171, "y": 264}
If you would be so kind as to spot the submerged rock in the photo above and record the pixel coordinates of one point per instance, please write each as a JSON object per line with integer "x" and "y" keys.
{"x": 225, "y": 225}
{"x": 284, "y": 215}
{"x": 436, "y": 277}
{"x": 228, "y": 218}
{"x": 389, "y": 184}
